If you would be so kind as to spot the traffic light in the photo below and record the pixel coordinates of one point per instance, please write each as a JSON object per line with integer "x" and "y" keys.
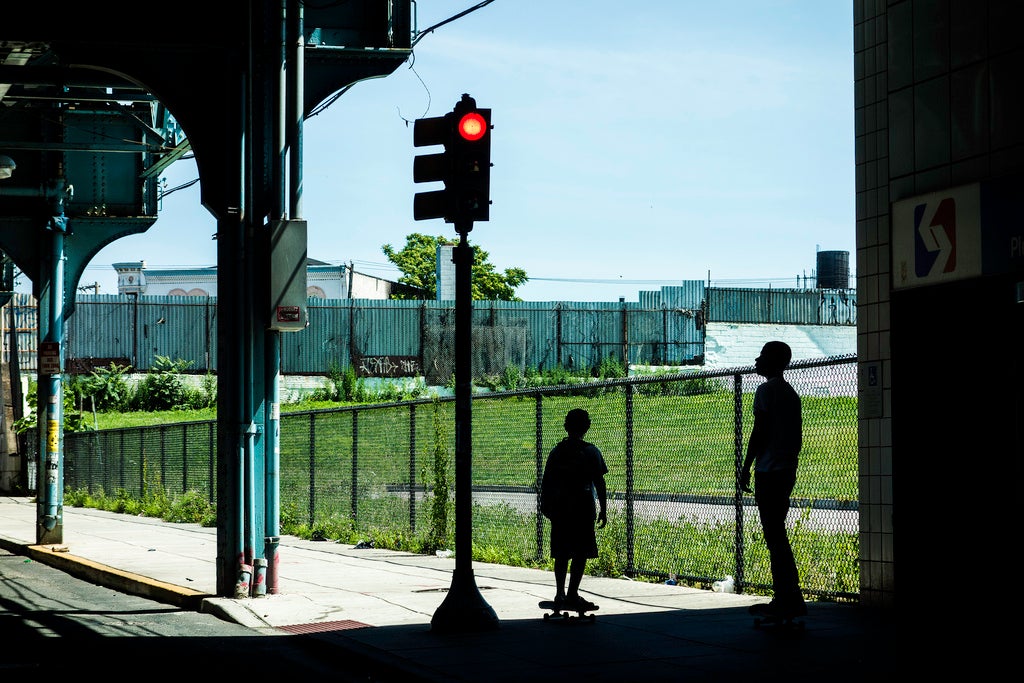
{"x": 472, "y": 162}
{"x": 464, "y": 167}
{"x": 428, "y": 168}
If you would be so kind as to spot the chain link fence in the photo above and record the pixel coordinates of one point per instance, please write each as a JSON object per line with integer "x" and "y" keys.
{"x": 673, "y": 444}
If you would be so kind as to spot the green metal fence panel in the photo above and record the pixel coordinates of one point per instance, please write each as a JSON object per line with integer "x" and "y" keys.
{"x": 783, "y": 306}
{"x": 134, "y": 330}
{"x": 324, "y": 345}
{"x": 663, "y": 327}
{"x": 381, "y": 338}
{"x": 101, "y": 331}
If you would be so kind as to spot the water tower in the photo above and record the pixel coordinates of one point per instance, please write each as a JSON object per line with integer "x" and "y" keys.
{"x": 833, "y": 270}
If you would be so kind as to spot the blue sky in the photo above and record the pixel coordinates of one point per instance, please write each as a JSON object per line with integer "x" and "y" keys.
{"x": 635, "y": 145}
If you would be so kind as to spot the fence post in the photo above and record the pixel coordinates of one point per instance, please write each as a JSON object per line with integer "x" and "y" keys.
{"x": 355, "y": 462}
{"x": 664, "y": 334}
{"x": 207, "y": 337}
{"x": 163, "y": 456}
{"x": 412, "y": 468}
{"x": 630, "y": 545}
{"x": 74, "y": 463}
{"x": 539, "y": 436}
{"x": 135, "y": 330}
{"x": 211, "y": 435}
{"x": 142, "y": 464}
{"x": 558, "y": 334}
{"x": 625, "y": 338}
{"x": 420, "y": 352}
{"x": 351, "y": 333}
{"x": 312, "y": 469}
{"x": 737, "y": 402}
{"x": 96, "y": 460}
{"x": 121, "y": 474}
{"x": 184, "y": 459}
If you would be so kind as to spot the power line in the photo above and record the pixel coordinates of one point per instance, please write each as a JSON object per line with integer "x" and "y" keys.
{"x": 605, "y": 281}
{"x": 424, "y": 32}
{"x": 390, "y": 268}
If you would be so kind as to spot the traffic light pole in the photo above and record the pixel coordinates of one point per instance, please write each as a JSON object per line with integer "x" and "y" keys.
{"x": 464, "y": 168}
{"x": 464, "y": 608}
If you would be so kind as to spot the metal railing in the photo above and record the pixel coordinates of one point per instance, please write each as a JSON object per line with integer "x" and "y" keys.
{"x": 673, "y": 444}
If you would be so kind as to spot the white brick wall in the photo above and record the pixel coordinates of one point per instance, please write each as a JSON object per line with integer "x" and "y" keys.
{"x": 729, "y": 345}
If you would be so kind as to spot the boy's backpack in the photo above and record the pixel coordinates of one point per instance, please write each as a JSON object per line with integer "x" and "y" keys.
{"x": 550, "y": 498}
{"x": 557, "y": 478}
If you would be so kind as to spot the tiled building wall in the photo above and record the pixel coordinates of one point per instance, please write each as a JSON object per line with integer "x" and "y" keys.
{"x": 938, "y": 105}
{"x": 872, "y": 174}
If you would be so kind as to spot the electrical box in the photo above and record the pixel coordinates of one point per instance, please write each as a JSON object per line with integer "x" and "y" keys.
{"x": 288, "y": 312}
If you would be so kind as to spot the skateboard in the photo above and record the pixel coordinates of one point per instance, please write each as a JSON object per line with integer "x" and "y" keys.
{"x": 768, "y": 620}
{"x": 781, "y": 623}
{"x": 562, "y": 613}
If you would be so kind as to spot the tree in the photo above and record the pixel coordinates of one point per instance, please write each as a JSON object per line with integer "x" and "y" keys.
{"x": 418, "y": 262}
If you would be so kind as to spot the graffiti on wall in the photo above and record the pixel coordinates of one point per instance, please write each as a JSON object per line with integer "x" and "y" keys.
{"x": 388, "y": 366}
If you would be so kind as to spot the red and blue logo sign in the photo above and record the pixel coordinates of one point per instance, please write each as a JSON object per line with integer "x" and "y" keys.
{"x": 935, "y": 237}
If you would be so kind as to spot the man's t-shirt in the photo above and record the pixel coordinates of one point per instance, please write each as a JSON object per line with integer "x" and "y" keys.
{"x": 777, "y": 404}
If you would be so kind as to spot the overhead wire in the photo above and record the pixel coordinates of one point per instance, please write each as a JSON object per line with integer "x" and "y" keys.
{"x": 421, "y": 34}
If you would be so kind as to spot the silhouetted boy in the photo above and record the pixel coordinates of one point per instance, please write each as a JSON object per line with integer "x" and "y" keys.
{"x": 773, "y": 449}
{"x": 573, "y": 474}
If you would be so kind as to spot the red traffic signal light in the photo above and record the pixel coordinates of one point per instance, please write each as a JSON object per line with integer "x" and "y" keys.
{"x": 464, "y": 166}
{"x": 473, "y": 126}
{"x": 471, "y": 165}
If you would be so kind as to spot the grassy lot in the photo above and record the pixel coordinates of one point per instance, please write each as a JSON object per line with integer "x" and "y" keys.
{"x": 683, "y": 444}
{"x": 118, "y": 420}
{"x": 680, "y": 444}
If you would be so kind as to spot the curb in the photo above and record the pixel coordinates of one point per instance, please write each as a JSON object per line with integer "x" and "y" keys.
{"x": 109, "y": 577}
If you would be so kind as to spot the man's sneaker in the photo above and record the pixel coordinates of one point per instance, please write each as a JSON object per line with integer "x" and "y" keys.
{"x": 780, "y": 609}
{"x": 790, "y": 605}
{"x": 579, "y": 604}
{"x": 794, "y": 608}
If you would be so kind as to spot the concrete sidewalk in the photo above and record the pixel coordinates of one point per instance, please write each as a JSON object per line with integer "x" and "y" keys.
{"x": 378, "y": 605}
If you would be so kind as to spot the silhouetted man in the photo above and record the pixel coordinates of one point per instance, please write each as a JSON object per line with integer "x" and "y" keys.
{"x": 773, "y": 450}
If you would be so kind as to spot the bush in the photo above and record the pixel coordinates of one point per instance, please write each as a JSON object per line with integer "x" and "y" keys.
{"x": 555, "y": 376}
{"x": 192, "y": 507}
{"x": 73, "y": 419}
{"x": 107, "y": 388}
{"x": 351, "y": 385}
{"x": 610, "y": 368}
{"x": 206, "y": 397}
{"x": 162, "y": 389}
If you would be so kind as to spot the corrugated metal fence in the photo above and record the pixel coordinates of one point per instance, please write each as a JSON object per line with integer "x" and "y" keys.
{"x": 20, "y": 324}
{"x": 673, "y": 445}
{"x": 784, "y": 306}
{"x": 416, "y": 338}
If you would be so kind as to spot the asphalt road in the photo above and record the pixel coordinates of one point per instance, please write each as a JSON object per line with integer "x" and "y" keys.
{"x": 55, "y": 624}
{"x": 820, "y": 517}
